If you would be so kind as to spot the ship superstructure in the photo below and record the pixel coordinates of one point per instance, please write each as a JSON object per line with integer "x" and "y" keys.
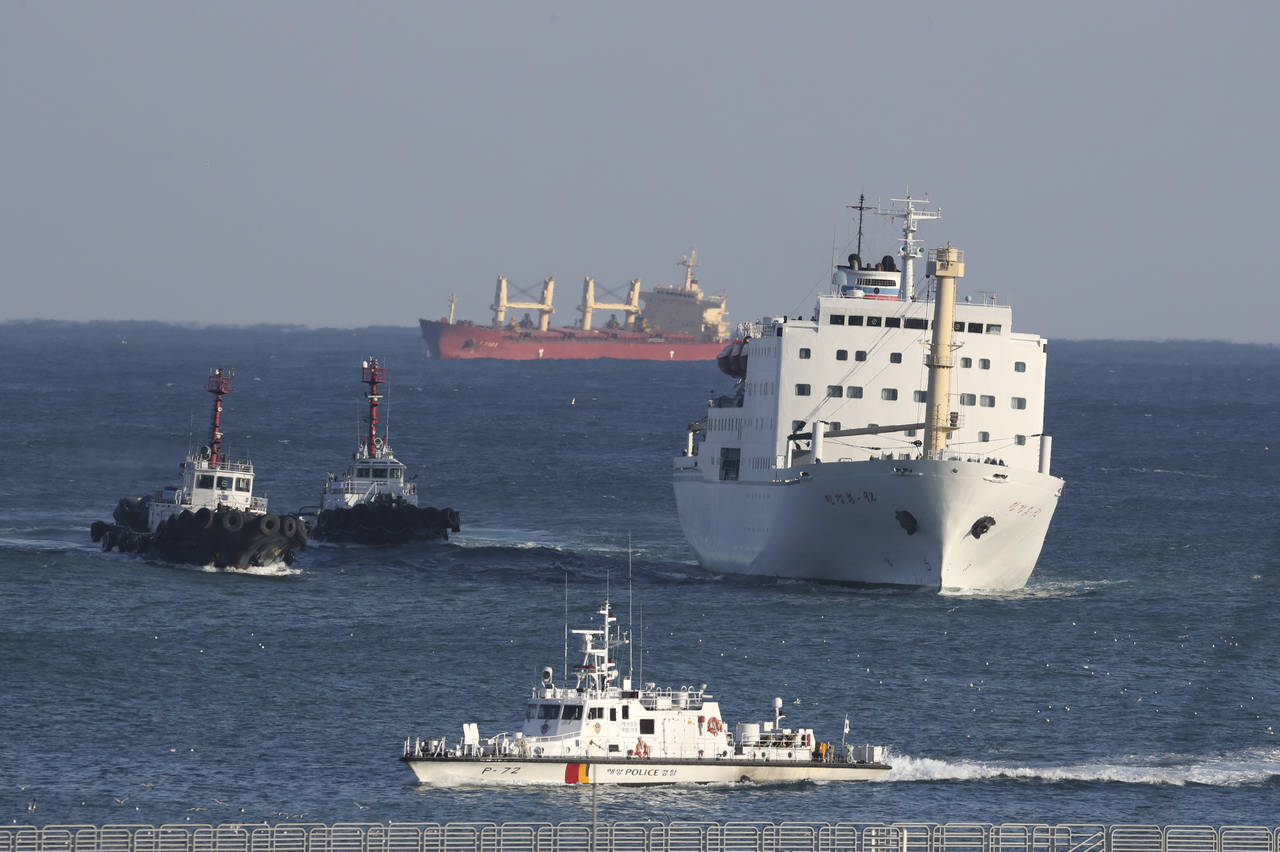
{"x": 678, "y": 322}
{"x": 605, "y": 729}
{"x": 895, "y": 436}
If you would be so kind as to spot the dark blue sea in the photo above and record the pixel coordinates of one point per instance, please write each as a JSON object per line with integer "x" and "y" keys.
{"x": 1136, "y": 679}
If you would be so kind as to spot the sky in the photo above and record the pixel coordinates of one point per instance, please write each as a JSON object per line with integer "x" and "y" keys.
{"x": 1109, "y": 168}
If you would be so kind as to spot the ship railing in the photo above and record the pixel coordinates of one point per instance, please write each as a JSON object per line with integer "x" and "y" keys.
{"x": 685, "y": 699}
{"x": 258, "y": 505}
{"x": 640, "y": 836}
{"x": 229, "y": 465}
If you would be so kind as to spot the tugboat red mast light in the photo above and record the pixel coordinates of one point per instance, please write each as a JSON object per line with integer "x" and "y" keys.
{"x": 373, "y": 374}
{"x": 219, "y": 385}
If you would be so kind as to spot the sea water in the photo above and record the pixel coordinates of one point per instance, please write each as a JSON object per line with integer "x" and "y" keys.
{"x": 1133, "y": 679}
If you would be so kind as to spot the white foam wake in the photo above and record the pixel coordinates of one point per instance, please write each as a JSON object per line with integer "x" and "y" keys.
{"x": 1238, "y": 769}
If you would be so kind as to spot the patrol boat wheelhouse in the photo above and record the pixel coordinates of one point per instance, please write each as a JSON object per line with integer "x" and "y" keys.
{"x": 376, "y": 501}
{"x": 607, "y": 731}
{"x": 844, "y": 455}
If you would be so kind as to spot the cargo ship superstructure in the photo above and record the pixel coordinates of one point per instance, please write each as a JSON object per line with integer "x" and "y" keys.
{"x": 675, "y": 323}
{"x": 893, "y": 437}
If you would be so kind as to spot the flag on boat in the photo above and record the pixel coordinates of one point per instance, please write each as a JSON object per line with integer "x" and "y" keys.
{"x": 846, "y": 723}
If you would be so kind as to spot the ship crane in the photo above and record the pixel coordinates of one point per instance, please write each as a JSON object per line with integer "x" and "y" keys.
{"x": 501, "y": 304}
{"x": 631, "y": 307}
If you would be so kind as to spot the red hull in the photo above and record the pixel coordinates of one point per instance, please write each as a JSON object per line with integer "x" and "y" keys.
{"x": 444, "y": 340}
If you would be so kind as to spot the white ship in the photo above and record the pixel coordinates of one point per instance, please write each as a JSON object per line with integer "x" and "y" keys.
{"x": 604, "y": 730}
{"x": 892, "y": 438}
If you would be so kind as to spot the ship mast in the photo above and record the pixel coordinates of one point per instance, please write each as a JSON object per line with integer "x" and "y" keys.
{"x": 689, "y": 263}
{"x": 372, "y": 374}
{"x": 910, "y": 249}
{"x": 219, "y": 385}
{"x": 861, "y": 207}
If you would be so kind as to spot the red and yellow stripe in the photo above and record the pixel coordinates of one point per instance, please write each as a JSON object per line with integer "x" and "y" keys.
{"x": 576, "y": 773}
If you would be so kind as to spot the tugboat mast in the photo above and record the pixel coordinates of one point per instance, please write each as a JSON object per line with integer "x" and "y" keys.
{"x": 373, "y": 374}
{"x": 219, "y": 385}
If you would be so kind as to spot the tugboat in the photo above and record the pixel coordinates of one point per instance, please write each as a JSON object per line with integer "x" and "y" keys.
{"x": 375, "y": 502}
{"x": 212, "y": 518}
{"x": 601, "y": 731}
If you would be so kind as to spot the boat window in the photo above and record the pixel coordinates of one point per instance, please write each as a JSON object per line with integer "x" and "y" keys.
{"x": 993, "y": 328}
{"x": 966, "y": 362}
{"x": 804, "y": 353}
{"x": 531, "y": 711}
{"x": 244, "y": 484}
{"x": 835, "y": 391}
{"x": 959, "y": 326}
{"x": 968, "y": 399}
{"x": 842, "y": 354}
{"x": 548, "y": 711}
{"x": 975, "y": 327}
{"x": 874, "y": 322}
{"x": 920, "y": 396}
{"x": 984, "y": 436}
{"x": 837, "y": 319}
{"x": 987, "y": 401}
{"x": 613, "y": 714}
{"x": 984, "y": 363}
{"x": 853, "y": 392}
{"x": 915, "y": 322}
{"x": 889, "y": 393}
{"x": 834, "y": 425}
{"x": 802, "y": 390}
{"x": 626, "y": 711}
{"x": 593, "y": 712}
{"x": 204, "y": 480}
{"x": 379, "y": 473}
{"x": 893, "y": 322}
{"x": 646, "y": 726}
{"x": 911, "y": 433}
{"x": 855, "y": 320}
{"x": 895, "y": 357}
{"x": 860, "y": 355}
{"x": 572, "y": 711}
{"x": 1019, "y": 366}
{"x": 1020, "y": 440}
{"x": 395, "y": 472}
{"x": 1018, "y": 402}
{"x": 224, "y": 483}
{"x": 614, "y": 747}
{"x": 362, "y": 471}
{"x": 796, "y": 426}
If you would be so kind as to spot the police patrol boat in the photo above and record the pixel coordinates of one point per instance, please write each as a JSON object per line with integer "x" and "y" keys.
{"x": 607, "y": 730}
{"x": 212, "y": 517}
{"x": 895, "y": 437}
{"x": 376, "y": 502}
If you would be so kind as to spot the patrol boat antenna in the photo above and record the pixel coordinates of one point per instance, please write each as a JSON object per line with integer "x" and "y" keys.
{"x": 373, "y": 374}
{"x": 219, "y": 385}
{"x": 909, "y": 210}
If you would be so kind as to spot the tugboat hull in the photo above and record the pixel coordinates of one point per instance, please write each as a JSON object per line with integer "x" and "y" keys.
{"x": 223, "y": 538}
{"x": 385, "y": 523}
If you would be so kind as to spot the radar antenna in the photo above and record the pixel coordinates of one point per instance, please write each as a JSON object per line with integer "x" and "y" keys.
{"x": 911, "y": 212}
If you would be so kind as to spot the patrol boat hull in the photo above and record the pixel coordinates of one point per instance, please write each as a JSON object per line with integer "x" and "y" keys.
{"x": 456, "y": 772}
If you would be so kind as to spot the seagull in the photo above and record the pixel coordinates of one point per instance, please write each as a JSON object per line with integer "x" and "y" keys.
{"x": 120, "y": 801}
{"x": 219, "y": 801}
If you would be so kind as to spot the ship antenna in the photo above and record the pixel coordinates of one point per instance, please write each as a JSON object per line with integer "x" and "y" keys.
{"x": 373, "y": 374}
{"x": 861, "y": 207}
{"x": 565, "y": 678}
{"x": 631, "y": 651}
{"x": 219, "y": 385}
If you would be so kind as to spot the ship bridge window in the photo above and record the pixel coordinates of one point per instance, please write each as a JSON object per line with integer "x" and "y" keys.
{"x": 224, "y": 483}
{"x": 959, "y": 326}
{"x": 1019, "y": 366}
{"x": 855, "y": 320}
{"x": 204, "y": 480}
{"x": 804, "y": 353}
{"x": 993, "y": 328}
{"x": 874, "y": 322}
{"x": 646, "y": 726}
{"x": 853, "y": 392}
{"x": 837, "y": 319}
{"x": 893, "y": 322}
{"x": 531, "y": 711}
{"x": 835, "y": 391}
{"x": 802, "y": 390}
{"x": 548, "y": 711}
{"x": 966, "y": 362}
{"x": 626, "y": 711}
{"x": 975, "y": 327}
{"x": 613, "y": 714}
{"x": 362, "y": 471}
{"x": 968, "y": 399}
{"x": 915, "y": 322}
{"x": 895, "y": 357}
{"x": 244, "y": 484}
{"x": 842, "y": 354}
{"x": 987, "y": 401}
{"x": 572, "y": 711}
{"x": 395, "y": 473}
{"x": 379, "y": 473}
{"x": 595, "y": 712}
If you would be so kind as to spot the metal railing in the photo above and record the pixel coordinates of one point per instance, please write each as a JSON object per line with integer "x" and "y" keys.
{"x": 640, "y": 837}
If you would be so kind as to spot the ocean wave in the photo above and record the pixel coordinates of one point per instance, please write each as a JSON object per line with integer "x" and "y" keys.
{"x": 1249, "y": 768}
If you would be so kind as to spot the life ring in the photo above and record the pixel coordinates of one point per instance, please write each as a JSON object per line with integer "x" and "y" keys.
{"x": 642, "y": 749}
{"x": 714, "y": 726}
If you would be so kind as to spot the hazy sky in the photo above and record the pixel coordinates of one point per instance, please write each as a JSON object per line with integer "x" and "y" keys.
{"x": 1109, "y": 168}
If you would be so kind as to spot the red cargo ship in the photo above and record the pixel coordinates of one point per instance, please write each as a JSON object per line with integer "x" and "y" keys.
{"x": 676, "y": 323}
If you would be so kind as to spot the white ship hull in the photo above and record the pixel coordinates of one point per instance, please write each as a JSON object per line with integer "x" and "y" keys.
{"x": 840, "y": 522}
{"x": 458, "y": 772}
